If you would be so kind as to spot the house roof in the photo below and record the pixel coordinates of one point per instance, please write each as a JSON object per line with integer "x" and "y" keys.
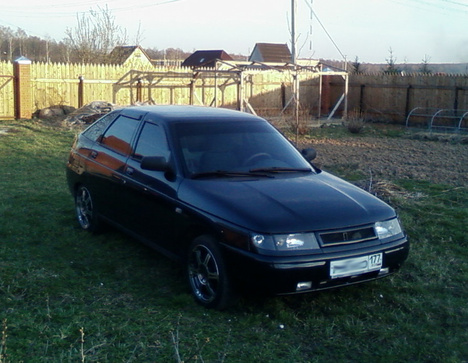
{"x": 205, "y": 58}
{"x": 270, "y": 52}
{"x": 122, "y": 52}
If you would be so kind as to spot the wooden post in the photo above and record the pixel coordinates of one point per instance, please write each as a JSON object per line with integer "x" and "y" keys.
{"x": 139, "y": 86}
{"x": 408, "y": 100}
{"x": 326, "y": 94}
{"x": 215, "y": 100}
{"x": 240, "y": 92}
{"x": 346, "y": 92}
{"x": 455, "y": 102}
{"x": 283, "y": 95}
{"x": 192, "y": 89}
{"x": 80, "y": 91}
{"x": 22, "y": 85}
{"x": 319, "y": 112}
{"x": 361, "y": 100}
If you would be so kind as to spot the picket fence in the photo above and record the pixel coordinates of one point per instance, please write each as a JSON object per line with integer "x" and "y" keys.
{"x": 78, "y": 84}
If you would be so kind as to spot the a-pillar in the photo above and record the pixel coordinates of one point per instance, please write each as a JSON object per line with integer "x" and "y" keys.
{"x": 23, "y": 94}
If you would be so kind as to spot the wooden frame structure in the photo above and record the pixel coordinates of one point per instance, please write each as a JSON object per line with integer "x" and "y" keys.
{"x": 218, "y": 78}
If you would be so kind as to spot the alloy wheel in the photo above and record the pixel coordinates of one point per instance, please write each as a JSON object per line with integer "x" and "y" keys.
{"x": 204, "y": 274}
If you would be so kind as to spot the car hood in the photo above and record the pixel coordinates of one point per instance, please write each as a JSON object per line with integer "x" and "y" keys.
{"x": 285, "y": 204}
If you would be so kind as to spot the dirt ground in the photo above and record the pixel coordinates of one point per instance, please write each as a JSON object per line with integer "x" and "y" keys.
{"x": 396, "y": 158}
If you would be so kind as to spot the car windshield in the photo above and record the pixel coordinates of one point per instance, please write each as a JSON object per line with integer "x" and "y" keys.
{"x": 240, "y": 147}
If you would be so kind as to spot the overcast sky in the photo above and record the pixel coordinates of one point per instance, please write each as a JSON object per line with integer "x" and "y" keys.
{"x": 367, "y": 29}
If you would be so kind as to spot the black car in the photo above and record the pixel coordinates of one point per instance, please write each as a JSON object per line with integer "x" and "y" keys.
{"x": 226, "y": 194}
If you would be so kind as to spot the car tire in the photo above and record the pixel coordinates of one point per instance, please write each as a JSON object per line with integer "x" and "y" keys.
{"x": 85, "y": 209}
{"x": 207, "y": 274}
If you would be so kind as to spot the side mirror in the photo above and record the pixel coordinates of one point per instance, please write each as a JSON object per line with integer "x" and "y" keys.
{"x": 309, "y": 153}
{"x": 155, "y": 163}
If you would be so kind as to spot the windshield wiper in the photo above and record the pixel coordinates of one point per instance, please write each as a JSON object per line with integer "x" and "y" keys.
{"x": 280, "y": 169}
{"x": 224, "y": 173}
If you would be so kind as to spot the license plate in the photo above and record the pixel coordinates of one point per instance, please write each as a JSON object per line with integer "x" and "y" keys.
{"x": 355, "y": 266}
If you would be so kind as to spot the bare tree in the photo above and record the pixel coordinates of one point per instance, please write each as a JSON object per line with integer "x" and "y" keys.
{"x": 6, "y": 43}
{"x": 139, "y": 35}
{"x": 21, "y": 36}
{"x": 95, "y": 35}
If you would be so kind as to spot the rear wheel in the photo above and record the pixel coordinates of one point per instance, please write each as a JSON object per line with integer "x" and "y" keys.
{"x": 207, "y": 274}
{"x": 86, "y": 210}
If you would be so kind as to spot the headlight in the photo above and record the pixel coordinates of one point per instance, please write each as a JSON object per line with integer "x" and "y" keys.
{"x": 388, "y": 229}
{"x": 286, "y": 242}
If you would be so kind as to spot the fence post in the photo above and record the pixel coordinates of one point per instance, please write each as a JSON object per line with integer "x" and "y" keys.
{"x": 326, "y": 94}
{"x": 283, "y": 95}
{"x": 22, "y": 86}
{"x": 408, "y": 100}
{"x": 361, "y": 100}
{"x": 455, "y": 102}
{"x": 80, "y": 91}
{"x": 139, "y": 87}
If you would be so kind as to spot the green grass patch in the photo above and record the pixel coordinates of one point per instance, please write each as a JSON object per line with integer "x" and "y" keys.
{"x": 337, "y": 131}
{"x": 66, "y": 295}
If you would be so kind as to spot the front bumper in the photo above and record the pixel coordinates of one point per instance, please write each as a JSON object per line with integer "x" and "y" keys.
{"x": 299, "y": 274}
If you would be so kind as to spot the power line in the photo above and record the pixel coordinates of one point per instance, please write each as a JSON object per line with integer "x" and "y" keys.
{"x": 447, "y": 6}
{"x": 324, "y": 29}
{"x": 61, "y": 9}
{"x": 29, "y": 32}
{"x": 51, "y": 11}
{"x": 456, "y": 3}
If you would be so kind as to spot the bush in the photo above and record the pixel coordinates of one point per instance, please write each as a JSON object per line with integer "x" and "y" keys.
{"x": 355, "y": 124}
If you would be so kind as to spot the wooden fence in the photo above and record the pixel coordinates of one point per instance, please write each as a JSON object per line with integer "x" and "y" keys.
{"x": 374, "y": 96}
{"x": 392, "y": 97}
{"x": 78, "y": 84}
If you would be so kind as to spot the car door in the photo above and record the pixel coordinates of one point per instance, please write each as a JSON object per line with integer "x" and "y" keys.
{"x": 152, "y": 195}
{"x": 106, "y": 172}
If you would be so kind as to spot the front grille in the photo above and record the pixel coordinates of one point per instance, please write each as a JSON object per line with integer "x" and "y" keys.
{"x": 348, "y": 236}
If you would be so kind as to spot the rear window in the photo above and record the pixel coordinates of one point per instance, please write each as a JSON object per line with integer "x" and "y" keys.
{"x": 96, "y": 130}
{"x": 120, "y": 134}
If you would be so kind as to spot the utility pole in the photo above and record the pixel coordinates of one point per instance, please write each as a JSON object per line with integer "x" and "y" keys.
{"x": 293, "y": 31}
{"x": 294, "y": 61}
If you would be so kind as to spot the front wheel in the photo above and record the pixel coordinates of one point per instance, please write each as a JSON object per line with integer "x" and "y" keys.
{"x": 86, "y": 210}
{"x": 207, "y": 274}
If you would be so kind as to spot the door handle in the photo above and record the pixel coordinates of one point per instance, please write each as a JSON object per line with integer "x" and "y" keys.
{"x": 94, "y": 154}
{"x": 129, "y": 170}
{"x": 119, "y": 178}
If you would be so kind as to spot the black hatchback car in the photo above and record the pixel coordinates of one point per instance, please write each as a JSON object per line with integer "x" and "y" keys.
{"x": 226, "y": 194}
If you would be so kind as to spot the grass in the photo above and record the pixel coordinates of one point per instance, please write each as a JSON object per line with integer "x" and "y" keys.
{"x": 66, "y": 295}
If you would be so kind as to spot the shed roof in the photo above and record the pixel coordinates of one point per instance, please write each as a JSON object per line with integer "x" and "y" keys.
{"x": 122, "y": 52}
{"x": 270, "y": 52}
{"x": 205, "y": 58}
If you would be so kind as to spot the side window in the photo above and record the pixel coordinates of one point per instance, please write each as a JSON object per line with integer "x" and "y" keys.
{"x": 97, "y": 129}
{"x": 120, "y": 134}
{"x": 152, "y": 142}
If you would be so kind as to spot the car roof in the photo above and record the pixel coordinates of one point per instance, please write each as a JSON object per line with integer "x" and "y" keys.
{"x": 177, "y": 113}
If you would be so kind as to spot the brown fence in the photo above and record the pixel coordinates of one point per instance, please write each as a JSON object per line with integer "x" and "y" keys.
{"x": 393, "y": 97}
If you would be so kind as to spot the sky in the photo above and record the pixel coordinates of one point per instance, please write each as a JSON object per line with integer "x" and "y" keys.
{"x": 372, "y": 30}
